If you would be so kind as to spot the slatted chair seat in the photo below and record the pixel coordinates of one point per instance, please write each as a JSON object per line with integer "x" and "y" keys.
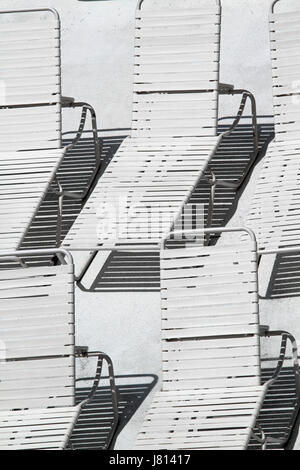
{"x": 44, "y": 429}
{"x": 211, "y": 390}
{"x": 274, "y": 208}
{"x": 174, "y": 130}
{"x": 30, "y": 117}
{"x": 37, "y": 354}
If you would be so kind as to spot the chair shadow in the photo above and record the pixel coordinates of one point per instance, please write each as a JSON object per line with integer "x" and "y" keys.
{"x": 93, "y": 429}
{"x": 285, "y": 277}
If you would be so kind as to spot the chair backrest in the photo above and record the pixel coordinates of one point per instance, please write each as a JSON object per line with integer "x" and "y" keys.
{"x": 176, "y": 71}
{"x": 30, "y": 80}
{"x": 210, "y": 324}
{"x": 37, "y": 337}
{"x": 285, "y": 54}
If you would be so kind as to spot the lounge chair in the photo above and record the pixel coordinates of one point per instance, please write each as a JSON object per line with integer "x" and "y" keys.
{"x": 174, "y": 131}
{"x": 30, "y": 118}
{"x": 211, "y": 389}
{"x": 37, "y": 363}
{"x": 275, "y": 209}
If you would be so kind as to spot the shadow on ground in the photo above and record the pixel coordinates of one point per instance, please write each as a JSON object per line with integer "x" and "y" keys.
{"x": 93, "y": 429}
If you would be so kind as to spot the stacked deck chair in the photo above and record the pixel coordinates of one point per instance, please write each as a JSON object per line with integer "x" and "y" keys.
{"x": 275, "y": 207}
{"x": 37, "y": 364}
{"x": 211, "y": 390}
{"x": 30, "y": 117}
{"x": 174, "y": 130}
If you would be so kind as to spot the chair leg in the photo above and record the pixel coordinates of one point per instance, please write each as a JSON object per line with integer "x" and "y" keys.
{"x": 60, "y": 203}
{"x": 213, "y": 184}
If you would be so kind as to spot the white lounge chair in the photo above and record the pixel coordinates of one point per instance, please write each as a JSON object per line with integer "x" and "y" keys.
{"x": 174, "y": 131}
{"x": 275, "y": 209}
{"x": 211, "y": 390}
{"x": 30, "y": 117}
{"x": 37, "y": 363}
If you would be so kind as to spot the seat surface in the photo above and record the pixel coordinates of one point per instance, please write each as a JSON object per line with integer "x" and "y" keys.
{"x": 25, "y": 179}
{"x": 44, "y": 429}
{"x": 141, "y": 193}
{"x": 201, "y": 419}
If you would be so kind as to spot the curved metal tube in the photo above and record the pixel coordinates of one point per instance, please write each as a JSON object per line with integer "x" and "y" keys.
{"x": 273, "y": 5}
{"x": 22, "y": 253}
{"x": 104, "y": 357}
{"x": 285, "y": 336}
{"x": 261, "y": 440}
{"x": 80, "y": 129}
{"x": 245, "y": 95}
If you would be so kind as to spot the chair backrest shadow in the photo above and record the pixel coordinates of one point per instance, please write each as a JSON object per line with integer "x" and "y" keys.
{"x": 140, "y": 271}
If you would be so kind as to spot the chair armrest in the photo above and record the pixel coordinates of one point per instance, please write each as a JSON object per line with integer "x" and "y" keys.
{"x": 81, "y": 351}
{"x": 225, "y": 88}
{"x": 68, "y": 102}
{"x": 264, "y": 330}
